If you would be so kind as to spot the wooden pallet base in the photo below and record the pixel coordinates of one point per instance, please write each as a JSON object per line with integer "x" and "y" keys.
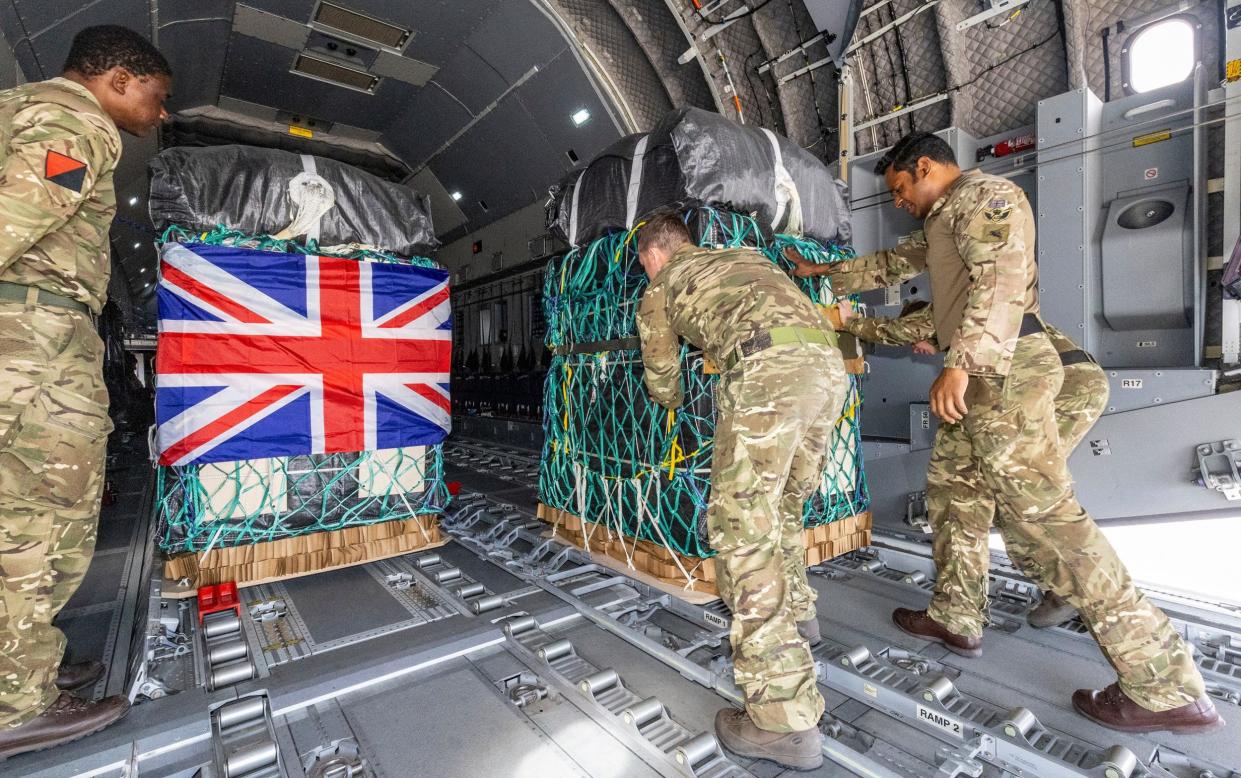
{"x": 683, "y": 575}
{"x": 316, "y": 552}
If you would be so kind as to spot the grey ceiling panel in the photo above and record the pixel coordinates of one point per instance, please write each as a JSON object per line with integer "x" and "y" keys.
{"x": 425, "y": 123}
{"x": 269, "y": 27}
{"x": 504, "y": 160}
{"x": 173, "y": 11}
{"x": 196, "y": 52}
{"x": 407, "y": 69}
{"x": 258, "y": 71}
{"x": 515, "y": 37}
{"x": 553, "y": 95}
{"x": 441, "y": 26}
{"x": 51, "y": 40}
{"x": 471, "y": 80}
{"x": 40, "y": 15}
{"x": 23, "y": 52}
{"x": 445, "y": 214}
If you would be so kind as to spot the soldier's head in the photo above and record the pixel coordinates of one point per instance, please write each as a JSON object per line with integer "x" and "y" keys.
{"x": 661, "y": 234}
{"x": 125, "y": 73}
{"x": 918, "y": 170}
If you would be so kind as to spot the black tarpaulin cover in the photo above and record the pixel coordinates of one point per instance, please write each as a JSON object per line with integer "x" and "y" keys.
{"x": 695, "y": 157}
{"x": 246, "y": 188}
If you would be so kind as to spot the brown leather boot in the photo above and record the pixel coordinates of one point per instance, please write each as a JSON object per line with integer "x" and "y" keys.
{"x": 1052, "y": 611}
{"x": 1113, "y": 709}
{"x": 65, "y": 720}
{"x": 809, "y": 630}
{"x": 795, "y": 750}
{"x": 919, "y": 624}
{"x": 75, "y": 675}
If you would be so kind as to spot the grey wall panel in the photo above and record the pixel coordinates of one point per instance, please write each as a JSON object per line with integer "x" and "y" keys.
{"x": 39, "y": 16}
{"x": 259, "y": 72}
{"x": 552, "y": 96}
{"x": 172, "y": 11}
{"x": 196, "y": 51}
{"x": 515, "y": 37}
{"x": 471, "y": 80}
{"x": 504, "y": 160}
{"x": 51, "y": 40}
{"x": 424, "y": 124}
{"x": 1151, "y": 454}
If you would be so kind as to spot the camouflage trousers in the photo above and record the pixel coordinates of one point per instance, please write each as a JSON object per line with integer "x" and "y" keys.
{"x": 776, "y": 412}
{"x": 1005, "y": 461}
{"x": 53, "y": 432}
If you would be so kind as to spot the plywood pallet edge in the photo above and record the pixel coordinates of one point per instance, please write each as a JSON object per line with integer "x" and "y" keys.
{"x": 261, "y": 568}
{"x": 653, "y": 561}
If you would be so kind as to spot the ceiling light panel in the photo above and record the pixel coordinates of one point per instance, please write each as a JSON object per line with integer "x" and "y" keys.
{"x": 360, "y": 26}
{"x": 334, "y": 73}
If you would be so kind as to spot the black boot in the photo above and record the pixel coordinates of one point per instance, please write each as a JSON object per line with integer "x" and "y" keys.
{"x": 65, "y": 720}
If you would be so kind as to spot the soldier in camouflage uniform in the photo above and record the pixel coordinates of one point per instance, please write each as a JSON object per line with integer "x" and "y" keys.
{"x": 60, "y": 146}
{"x": 1080, "y": 403}
{"x": 996, "y": 395}
{"x": 782, "y": 386}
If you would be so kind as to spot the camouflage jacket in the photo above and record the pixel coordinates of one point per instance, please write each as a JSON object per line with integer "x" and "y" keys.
{"x": 56, "y": 196}
{"x": 920, "y": 325}
{"x": 977, "y": 243}
{"x": 715, "y": 299}
{"x": 898, "y": 331}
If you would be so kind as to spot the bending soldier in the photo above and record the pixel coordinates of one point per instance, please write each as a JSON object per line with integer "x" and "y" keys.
{"x": 782, "y": 385}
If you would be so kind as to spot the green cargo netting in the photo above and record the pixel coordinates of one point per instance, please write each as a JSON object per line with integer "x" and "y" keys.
{"x": 611, "y": 455}
{"x": 225, "y": 504}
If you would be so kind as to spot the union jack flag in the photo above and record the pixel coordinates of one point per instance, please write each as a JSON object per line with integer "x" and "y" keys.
{"x": 264, "y": 354}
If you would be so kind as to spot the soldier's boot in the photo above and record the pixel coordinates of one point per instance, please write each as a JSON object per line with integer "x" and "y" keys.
{"x": 809, "y": 630}
{"x": 75, "y": 675}
{"x": 1052, "y": 611}
{"x": 919, "y": 624}
{"x": 65, "y": 720}
{"x": 795, "y": 750}
{"x": 1112, "y": 708}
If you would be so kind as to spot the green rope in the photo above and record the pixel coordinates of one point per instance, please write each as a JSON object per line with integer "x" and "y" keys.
{"x": 611, "y": 455}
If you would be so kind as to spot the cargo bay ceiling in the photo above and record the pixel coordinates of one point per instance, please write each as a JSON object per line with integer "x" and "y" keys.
{"x": 477, "y": 97}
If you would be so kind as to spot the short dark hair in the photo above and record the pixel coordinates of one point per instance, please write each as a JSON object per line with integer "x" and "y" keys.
{"x": 96, "y": 50}
{"x": 663, "y": 229}
{"x": 913, "y": 147}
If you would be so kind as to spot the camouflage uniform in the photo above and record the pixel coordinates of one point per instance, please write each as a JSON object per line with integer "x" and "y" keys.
{"x": 776, "y": 407}
{"x": 57, "y": 202}
{"x": 977, "y": 243}
{"x": 1080, "y": 403}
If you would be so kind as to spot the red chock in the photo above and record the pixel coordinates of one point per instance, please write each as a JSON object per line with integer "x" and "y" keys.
{"x": 216, "y": 598}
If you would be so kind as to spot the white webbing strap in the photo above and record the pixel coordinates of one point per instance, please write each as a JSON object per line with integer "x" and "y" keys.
{"x": 787, "y": 197}
{"x": 312, "y": 196}
{"x": 577, "y": 191}
{"x": 635, "y": 183}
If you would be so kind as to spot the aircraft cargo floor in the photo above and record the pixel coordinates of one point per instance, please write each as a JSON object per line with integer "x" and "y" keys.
{"x": 502, "y": 653}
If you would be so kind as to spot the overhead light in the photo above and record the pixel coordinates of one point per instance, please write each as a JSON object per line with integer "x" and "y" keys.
{"x": 580, "y": 117}
{"x": 137, "y": 245}
{"x": 133, "y": 200}
{"x": 455, "y": 196}
{"x": 147, "y": 285}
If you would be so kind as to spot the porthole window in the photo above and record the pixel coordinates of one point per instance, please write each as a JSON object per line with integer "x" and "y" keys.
{"x": 1160, "y": 54}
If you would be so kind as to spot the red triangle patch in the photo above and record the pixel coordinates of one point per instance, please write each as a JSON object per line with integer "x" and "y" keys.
{"x": 58, "y": 164}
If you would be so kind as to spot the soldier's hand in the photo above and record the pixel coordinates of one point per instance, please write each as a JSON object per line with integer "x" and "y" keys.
{"x": 924, "y": 348}
{"x": 845, "y": 310}
{"x": 802, "y": 267}
{"x": 948, "y": 394}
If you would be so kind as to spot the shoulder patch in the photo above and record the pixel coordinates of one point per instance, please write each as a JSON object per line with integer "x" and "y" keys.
{"x": 992, "y": 233}
{"x": 997, "y": 210}
{"x": 64, "y": 170}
